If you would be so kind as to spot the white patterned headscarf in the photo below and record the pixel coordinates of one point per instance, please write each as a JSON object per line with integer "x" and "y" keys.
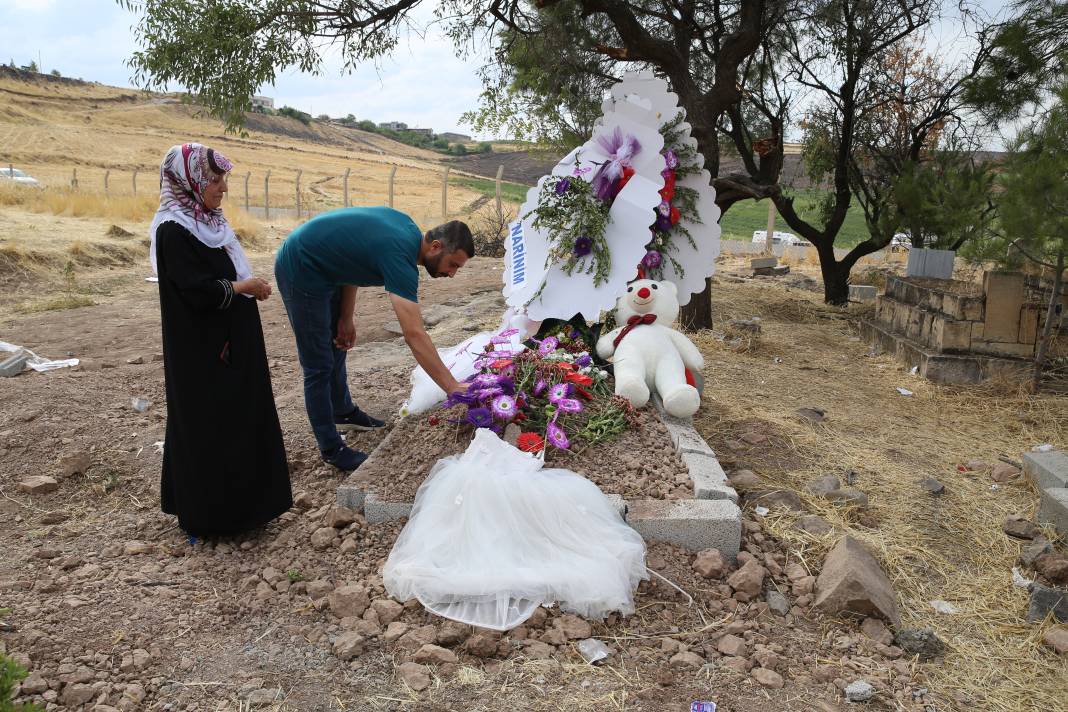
{"x": 184, "y": 174}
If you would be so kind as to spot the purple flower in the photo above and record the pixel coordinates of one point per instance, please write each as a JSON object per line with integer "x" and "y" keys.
{"x": 663, "y": 222}
{"x": 562, "y": 185}
{"x": 504, "y": 407}
{"x": 548, "y": 345}
{"x": 583, "y": 246}
{"x": 540, "y": 387}
{"x": 620, "y": 149}
{"x": 556, "y": 436}
{"x": 559, "y": 392}
{"x": 664, "y": 208}
{"x": 486, "y": 380}
{"x": 569, "y": 405}
{"x": 487, "y": 393}
{"x": 479, "y": 417}
{"x": 671, "y": 159}
{"x": 583, "y": 360}
{"x": 652, "y": 259}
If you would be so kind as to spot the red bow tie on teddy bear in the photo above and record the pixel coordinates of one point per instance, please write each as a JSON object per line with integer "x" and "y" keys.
{"x": 633, "y": 322}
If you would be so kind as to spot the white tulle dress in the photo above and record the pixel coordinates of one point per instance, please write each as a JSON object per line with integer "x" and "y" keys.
{"x": 492, "y": 536}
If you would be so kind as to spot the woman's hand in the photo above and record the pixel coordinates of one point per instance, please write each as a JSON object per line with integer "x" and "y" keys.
{"x": 254, "y": 286}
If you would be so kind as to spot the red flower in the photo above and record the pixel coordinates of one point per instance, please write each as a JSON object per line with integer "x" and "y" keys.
{"x": 584, "y": 393}
{"x": 521, "y": 402}
{"x": 627, "y": 173}
{"x": 565, "y": 366}
{"x": 579, "y": 379}
{"x": 501, "y": 363}
{"x": 519, "y": 418}
{"x": 674, "y": 215}
{"x": 433, "y": 420}
{"x": 668, "y": 191}
{"x": 530, "y": 442}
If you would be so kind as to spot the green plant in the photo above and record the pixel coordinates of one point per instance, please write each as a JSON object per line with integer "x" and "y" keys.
{"x": 11, "y": 674}
{"x": 293, "y": 575}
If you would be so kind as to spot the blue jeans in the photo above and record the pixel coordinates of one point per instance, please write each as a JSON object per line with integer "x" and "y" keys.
{"x": 326, "y": 388}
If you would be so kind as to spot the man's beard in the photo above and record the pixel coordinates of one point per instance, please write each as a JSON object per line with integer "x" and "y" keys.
{"x": 432, "y": 264}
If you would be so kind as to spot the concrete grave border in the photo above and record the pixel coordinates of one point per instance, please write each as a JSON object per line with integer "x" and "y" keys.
{"x": 1048, "y": 471}
{"x": 711, "y": 520}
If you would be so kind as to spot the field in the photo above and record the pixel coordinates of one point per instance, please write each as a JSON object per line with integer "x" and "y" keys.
{"x": 743, "y": 218}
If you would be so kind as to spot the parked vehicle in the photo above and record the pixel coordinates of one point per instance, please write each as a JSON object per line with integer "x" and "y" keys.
{"x": 18, "y": 177}
{"x": 787, "y": 239}
{"x": 900, "y": 242}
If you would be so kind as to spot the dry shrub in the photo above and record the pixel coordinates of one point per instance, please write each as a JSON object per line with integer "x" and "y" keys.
{"x": 491, "y": 228}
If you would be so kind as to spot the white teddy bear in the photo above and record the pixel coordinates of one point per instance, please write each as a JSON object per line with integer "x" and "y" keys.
{"x": 647, "y": 353}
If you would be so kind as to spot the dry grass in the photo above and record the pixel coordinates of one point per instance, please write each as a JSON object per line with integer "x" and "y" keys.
{"x": 950, "y": 547}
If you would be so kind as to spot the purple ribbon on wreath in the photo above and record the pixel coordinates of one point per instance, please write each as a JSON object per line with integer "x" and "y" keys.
{"x": 620, "y": 149}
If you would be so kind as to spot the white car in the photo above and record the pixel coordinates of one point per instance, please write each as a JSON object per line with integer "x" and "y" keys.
{"x": 18, "y": 177}
{"x": 900, "y": 242}
{"x": 787, "y": 239}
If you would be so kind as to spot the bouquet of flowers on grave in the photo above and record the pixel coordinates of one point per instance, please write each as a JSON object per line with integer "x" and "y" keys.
{"x": 678, "y": 202}
{"x": 555, "y": 393}
{"x": 574, "y": 211}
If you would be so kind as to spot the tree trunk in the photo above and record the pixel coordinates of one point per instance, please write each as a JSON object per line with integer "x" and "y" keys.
{"x": 697, "y": 314}
{"x": 1047, "y": 328}
{"x": 835, "y": 276}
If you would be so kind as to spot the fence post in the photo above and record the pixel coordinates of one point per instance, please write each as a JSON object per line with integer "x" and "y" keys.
{"x": 107, "y": 173}
{"x": 445, "y": 192}
{"x": 500, "y": 210}
{"x": 134, "y": 181}
{"x": 266, "y": 196}
{"x": 769, "y": 248}
{"x": 74, "y": 180}
{"x": 347, "y": 171}
{"x": 10, "y": 170}
{"x": 299, "y": 171}
{"x": 392, "y": 173}
{"x": 247, "y": 176}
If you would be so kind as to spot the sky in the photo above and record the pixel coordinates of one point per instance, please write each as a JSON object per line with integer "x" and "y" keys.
{"x": 422, "y": 84}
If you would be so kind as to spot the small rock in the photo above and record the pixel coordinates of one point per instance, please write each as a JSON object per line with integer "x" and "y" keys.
{"x": 414, "y": 676}
{"x": 34, "y": 684}
{"x": 318, "y": 588}
{"x": 349, "y": 601}
{"x": 731, "y": 645}
{"x": 813, "y": 415}
{"x": 264, "y": 696}
{"x": 452, "y": 633}
{"x": 686, "y": 660}
{"x": 859, "y": 691}
{"x": 537, "y": 650}
{"x": 977, "y": 465}
{"x": 77, "y": 694}
{"x": 710, "y": 563}
{"x": 923, "y": 642}
{"x": 1020, "y": 528}
{"x": 38, "y": 484}
{"x": 74, "y": 464}
{"x": 323, "y": 537}
{"x": 135, "y": 547}
{"x": 823, "y": 485}
{"x": 573, "y": 627}
{"x": 395, "y": 631}
{"x": 1004, "y": 472}
{"x": 749, "y": 579}
{"x": 778, "y": 602}
{"x": 1046, "y": 600}
{"x": 767, "y": 678}
{"x": 848, "y": 496}
{"x": 417, "y": 638}
{"x": 744, "y": 479}
{"x": 932, "y": 486}
{"x": 775, "y": 498}
{"x": 349, "y": 645}
{"x": 814, "y": 524}
{"x": 1054, "y": 566}
{"x": 1056, "y": 638}
{"x": 1038, "y": 546}
{"x": 387, "y": 609}
{"x": 877, "y": 631}
{"x": 853, "y": 582}
{"x": 340, "y": 517}
{"x": 481, "y": 645}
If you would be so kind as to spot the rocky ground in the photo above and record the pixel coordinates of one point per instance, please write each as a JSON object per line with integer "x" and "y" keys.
{"x": 111, "y": 607}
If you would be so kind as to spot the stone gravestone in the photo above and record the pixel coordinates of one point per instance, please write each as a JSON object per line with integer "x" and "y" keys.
{"x": 933, "y": 264}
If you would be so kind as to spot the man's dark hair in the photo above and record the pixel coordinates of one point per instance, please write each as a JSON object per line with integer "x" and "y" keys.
{"x": 453, "y": 235}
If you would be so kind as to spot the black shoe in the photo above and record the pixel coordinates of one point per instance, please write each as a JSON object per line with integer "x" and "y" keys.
{"x": 345, "y": 458}
{"x": 357, "y": 420}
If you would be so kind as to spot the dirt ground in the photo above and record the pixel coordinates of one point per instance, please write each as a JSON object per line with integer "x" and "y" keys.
{"x": 112, "y": 607}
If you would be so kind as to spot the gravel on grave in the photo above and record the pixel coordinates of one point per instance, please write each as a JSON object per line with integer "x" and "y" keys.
{"x": 639, "y": 464}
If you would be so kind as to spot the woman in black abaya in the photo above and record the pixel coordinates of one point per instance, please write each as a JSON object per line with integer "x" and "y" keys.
{"x": 224, "y": 461}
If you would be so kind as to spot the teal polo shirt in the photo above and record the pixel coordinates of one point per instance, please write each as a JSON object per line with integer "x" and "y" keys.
{"x": 363, "y": 247}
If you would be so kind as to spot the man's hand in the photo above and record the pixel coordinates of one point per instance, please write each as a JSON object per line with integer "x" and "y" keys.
{"x": 346, "y": 333}
{"x": 457, "y": 387}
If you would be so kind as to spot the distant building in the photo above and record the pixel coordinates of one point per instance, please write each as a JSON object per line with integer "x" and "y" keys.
{"x": 394, "y": 125}
{"x": 449, "y": 136}
{"x": 423, "y": 132}
{"x": 262, "y": 103}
